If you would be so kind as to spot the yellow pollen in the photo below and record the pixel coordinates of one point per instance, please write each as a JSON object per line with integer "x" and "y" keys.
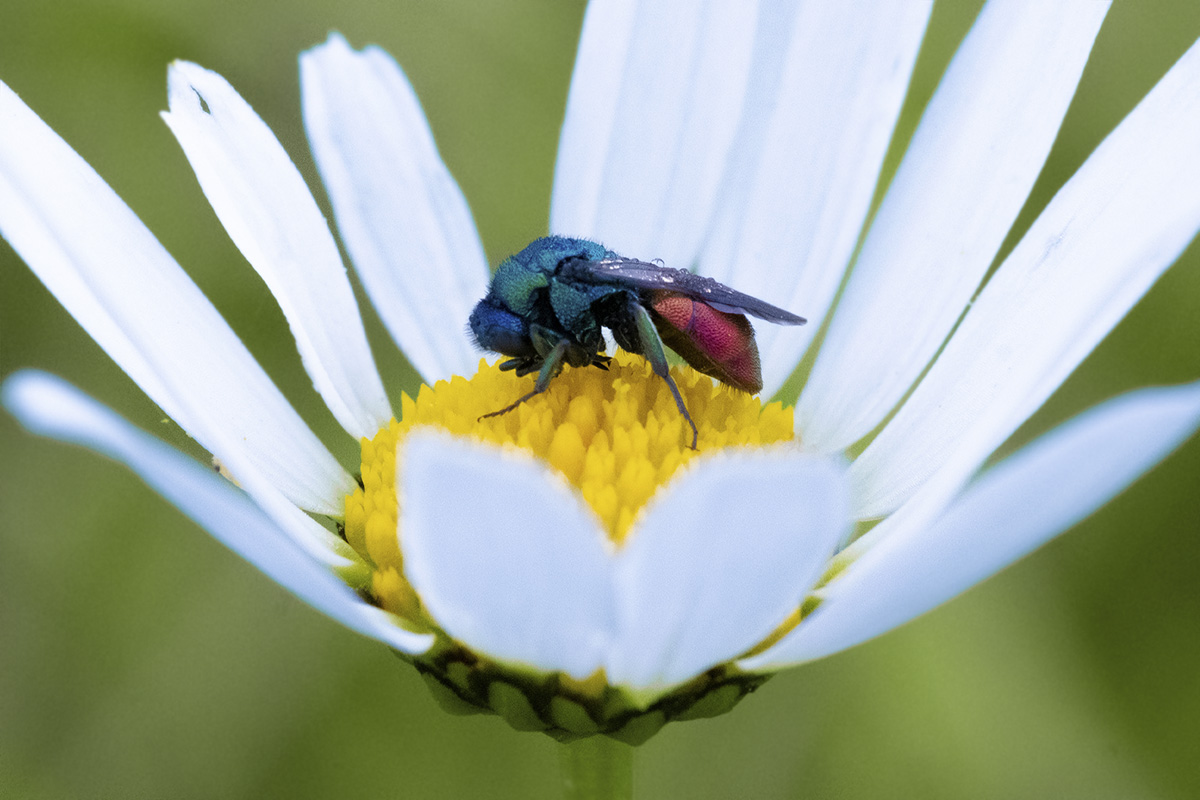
{"x": 615, "y": 435}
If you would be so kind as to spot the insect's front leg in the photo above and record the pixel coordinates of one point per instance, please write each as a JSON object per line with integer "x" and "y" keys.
{"x": 651, "y": 348}
{"x": 522, "y": 366}
{"x": 551, "y": 366}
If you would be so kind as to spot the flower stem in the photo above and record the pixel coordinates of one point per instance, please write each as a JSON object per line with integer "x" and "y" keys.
{"x": 597, "y": 768}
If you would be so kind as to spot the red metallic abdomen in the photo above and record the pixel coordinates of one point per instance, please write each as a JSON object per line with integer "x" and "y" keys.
{"x": 714, "y": 342}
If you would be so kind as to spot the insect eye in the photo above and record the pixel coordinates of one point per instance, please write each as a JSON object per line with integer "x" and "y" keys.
{"x": 501, "y": 331}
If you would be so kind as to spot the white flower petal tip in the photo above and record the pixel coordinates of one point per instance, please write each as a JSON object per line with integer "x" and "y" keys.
{"x": 402, "y": 217}
{"x": 967, "y": 173}
{"x": 1009, "y": 511}
{"x": 648, "y": 189}
{"x": 826, "y": 87}
{"x": 1104, "y": 239}
{"x": 268, "y": 211}
{"x": 719, "y": 559}
{"x": 50, "y": 407}
{"x": 510, "y": 561}
{"x": 114, "y": 277}
{"x": 504, "y": 554}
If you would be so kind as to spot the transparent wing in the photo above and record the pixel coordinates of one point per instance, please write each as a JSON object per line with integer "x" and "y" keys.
{"x": 644, "y": 275}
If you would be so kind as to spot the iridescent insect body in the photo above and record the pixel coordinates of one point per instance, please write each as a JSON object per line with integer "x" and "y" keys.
{"x": 547, "y": 304}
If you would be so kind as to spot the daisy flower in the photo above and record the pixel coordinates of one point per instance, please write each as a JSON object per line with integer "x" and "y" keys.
{"x": 573, "y": 566}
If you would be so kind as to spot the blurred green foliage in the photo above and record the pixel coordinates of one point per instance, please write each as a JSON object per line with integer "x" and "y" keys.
{"x": 138, "y": 658}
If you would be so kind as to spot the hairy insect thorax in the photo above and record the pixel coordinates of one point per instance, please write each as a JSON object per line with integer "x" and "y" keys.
{"x": 527, "y": 298}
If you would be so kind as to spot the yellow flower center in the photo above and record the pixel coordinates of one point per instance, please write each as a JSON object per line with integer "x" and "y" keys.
{"x": 616, "y": 435}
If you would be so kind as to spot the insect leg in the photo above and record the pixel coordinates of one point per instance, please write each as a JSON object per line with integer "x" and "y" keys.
{"x": 550, "y": 367}
{"x": 652, "y": 349}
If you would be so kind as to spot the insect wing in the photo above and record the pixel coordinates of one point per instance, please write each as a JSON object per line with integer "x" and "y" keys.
{"x": 644, "y": 275}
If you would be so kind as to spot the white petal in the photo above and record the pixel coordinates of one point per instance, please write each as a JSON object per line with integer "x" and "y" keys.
{"x": 654, "y": 104}
{"x": 1104, "y": 239}
{"x": 269, "y": 213}
{"x": 50, "y": 407}
{"x": 114, "y": 277}
{"x": 827, "y": 88}
{"x": 504, "y": 554}
{"x": 1013, "y": 509}
{"x": 720, "y": 560}
{"x": 402, "y": 217}
{"x": 974, "y": 158}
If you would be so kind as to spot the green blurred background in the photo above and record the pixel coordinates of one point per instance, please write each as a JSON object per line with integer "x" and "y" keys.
{"x": 138, "y": 658}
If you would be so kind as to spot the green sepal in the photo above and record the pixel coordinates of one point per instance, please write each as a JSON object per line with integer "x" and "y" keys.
{"x": 572, "y": 717}
{"x": 514, "y": 707}
{"x": 448, "y": 700}
{"x": 565, "y": 737}
{"x": 617, "y": 704}
{"x": 639, "y": 729}
{"x": 459, "y": 674}
{"x": 717, "y": 702}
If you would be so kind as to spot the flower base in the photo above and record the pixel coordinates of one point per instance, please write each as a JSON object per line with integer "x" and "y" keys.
{"x": 568, "y": 710}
